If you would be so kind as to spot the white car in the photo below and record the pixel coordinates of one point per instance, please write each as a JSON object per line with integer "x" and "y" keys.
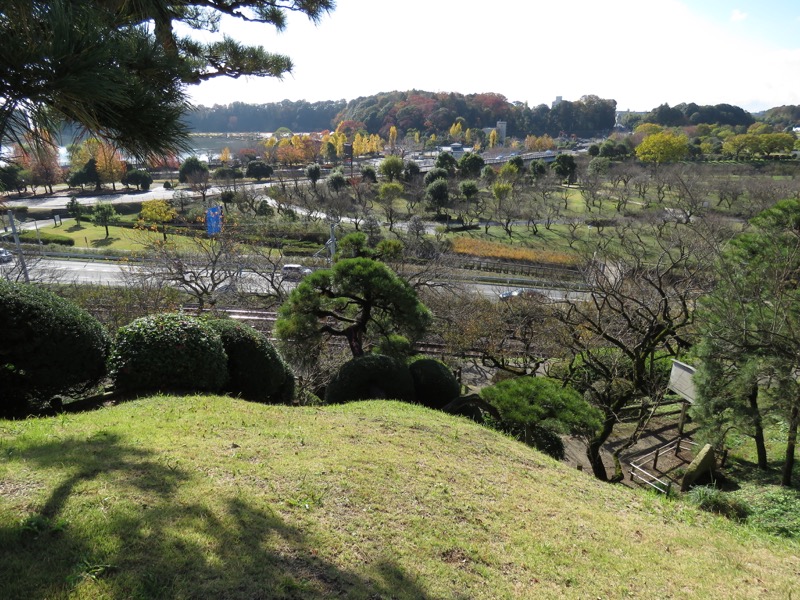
{"x": 5, "y": 256}
{"x": 295, "y": 272}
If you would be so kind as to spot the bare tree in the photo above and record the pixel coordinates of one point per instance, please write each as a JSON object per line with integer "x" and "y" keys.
{"x": 639, "y": 312}
{"x": 199, "y": 183}
{"x": 262, "y": 278}
{"x": 204, "y": 269}
{"x": 690, "y": 191}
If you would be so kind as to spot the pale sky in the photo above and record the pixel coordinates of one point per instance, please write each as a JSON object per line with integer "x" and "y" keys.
{"x": 642, "y": 53}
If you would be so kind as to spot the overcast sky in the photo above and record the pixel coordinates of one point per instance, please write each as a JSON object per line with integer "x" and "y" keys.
{"x": 641, "y": 53}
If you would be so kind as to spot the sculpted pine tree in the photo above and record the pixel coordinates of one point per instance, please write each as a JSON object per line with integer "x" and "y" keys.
{"x": 357, "y": 297}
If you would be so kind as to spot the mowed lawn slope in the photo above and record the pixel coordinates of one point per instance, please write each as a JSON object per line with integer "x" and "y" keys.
{"x": 211, "y": 497}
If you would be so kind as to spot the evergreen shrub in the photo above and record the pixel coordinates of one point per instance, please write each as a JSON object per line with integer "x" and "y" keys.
{"x": 49, "y": 347}
{"x": 536, "y": 409}
{"x": 255, "y": 369}
{"x": 31, "y": 237}
{"x": 434, "y": 384}
{"x": 169, "y": 351}
{"x": 372, "y": 376}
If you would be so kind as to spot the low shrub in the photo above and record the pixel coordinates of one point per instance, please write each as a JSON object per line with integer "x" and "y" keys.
{"x": 49, "y": 347}
{"x": 394, "y": 345}
{"x": 434, "y": 383}
{"x": 169, "y": 351}
{"x": 31, "y": 237}
{"x": 546, "y": 440}
{"x": 372, "y": 376}
{"x": 536, "y": 409}
{"x": 255, "y": 369}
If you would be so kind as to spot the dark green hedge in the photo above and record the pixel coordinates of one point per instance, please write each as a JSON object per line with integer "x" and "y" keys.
{"x": 372, "y": 376}
{"x": 434, "y": 384}
{"x": 30, "y": 237}
{"x": 49, "y": 346}
{"x": 169, "y": 352}
{"x": 255, "y": 369}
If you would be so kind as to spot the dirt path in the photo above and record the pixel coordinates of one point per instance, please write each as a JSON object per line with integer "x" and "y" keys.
{"x": 661, "y": 431}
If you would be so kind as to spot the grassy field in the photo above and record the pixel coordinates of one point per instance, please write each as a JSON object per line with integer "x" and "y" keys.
{"x": 87, "y": 235}
{"x": 211, "y": 497}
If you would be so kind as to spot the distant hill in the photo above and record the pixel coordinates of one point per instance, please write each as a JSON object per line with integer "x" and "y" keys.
{"x": 415, "y": 110}
{"x": 435, "y": 112}
{"x": 213, "y": 497}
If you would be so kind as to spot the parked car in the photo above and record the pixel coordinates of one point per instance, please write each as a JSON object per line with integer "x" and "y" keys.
{"x": 5, "y": 256}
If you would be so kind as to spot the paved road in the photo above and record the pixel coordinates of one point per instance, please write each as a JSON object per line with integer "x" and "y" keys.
{"x": 111, "y": 273}
{"x": 157, "y": 192}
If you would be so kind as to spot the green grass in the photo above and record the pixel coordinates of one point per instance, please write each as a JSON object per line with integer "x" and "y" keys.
{"x": 210, "y": 497}
{"x": 87, "y": 235}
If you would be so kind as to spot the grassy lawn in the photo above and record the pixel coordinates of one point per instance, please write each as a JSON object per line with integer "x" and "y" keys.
{"x": 87, "y": 235}
{"x": 211, "y": 497}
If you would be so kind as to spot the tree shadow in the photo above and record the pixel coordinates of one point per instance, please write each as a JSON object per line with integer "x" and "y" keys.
{"x": 125, "y": 523}
{"x": 103, "y": 242}
{"x": 75, "y": 227}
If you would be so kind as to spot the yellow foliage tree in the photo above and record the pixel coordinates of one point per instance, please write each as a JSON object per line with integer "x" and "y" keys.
{"x": 157, "y": 212}
{"x": 107, "y": 157}
{"x": 663, "y": 147}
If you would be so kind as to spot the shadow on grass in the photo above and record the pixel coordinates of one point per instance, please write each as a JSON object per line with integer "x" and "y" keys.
{"x": 740, "y": 469}
{"x": 103, "y": 242}
{"x": 74, "y": 228}
{"x": 125, "y": 523}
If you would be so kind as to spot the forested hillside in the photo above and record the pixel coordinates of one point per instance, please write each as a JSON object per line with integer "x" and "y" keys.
{"x": 434, "y": 113}
{"x": 412, "y": 111}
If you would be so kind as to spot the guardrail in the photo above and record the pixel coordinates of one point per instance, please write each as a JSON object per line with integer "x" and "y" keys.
{"x": 641, "y": 475}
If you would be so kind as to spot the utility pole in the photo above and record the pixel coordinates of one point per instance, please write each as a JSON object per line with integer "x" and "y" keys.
{"x": 19, "y": 248}
{"x": 332, "y": 240}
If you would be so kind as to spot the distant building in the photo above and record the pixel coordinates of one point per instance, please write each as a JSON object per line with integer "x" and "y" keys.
{"x": 501, "y": 132}
{"x": 557, "y": 101}
{"x": 456, "y": 149}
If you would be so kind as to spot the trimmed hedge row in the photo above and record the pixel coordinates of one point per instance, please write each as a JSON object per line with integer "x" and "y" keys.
{"x": 31, "y": 237}
{"x": 51, "y": 347}
{"x": 183, "y": 353}
{"x": 168, "y": 352}
{"x": 255, "y": 369}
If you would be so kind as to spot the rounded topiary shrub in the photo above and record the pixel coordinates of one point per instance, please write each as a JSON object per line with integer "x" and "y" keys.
{"x": 434, "y": 384}
{"x": 169, "y": 352}
{"x": 48, "y": 346}
{"x": 368, "y": 377}
{"x": 255, "y": 369}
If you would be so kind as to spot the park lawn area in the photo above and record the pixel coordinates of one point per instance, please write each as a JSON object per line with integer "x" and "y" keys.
{"x": 212, "y": 497}
{"x": 87, "y": 235}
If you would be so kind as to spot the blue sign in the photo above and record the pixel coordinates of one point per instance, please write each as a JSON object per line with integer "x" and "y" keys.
{"x": 214, "y": 220}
